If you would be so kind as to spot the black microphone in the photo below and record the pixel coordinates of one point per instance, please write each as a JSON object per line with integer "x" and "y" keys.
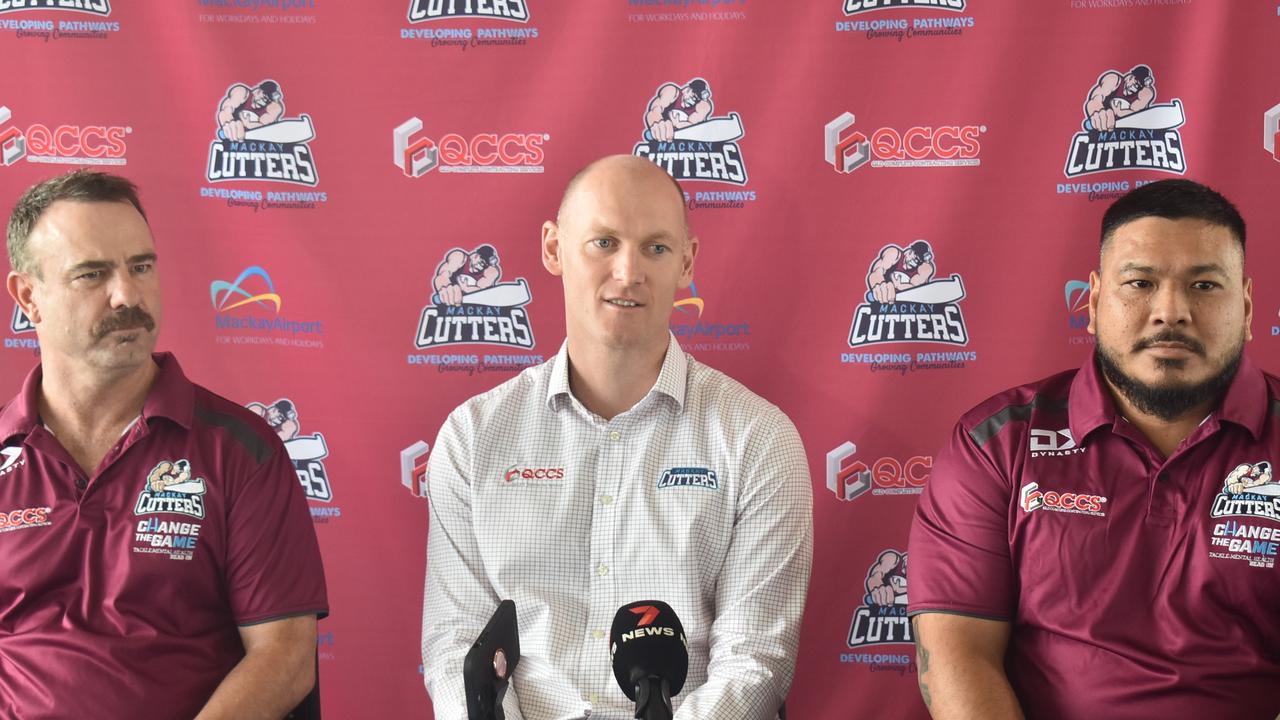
{"x": 650, "y": 656}
{"x": 489, "y": 664}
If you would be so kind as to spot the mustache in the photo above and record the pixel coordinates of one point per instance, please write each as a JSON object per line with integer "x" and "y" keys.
{"x": 1170, "y": 336}
{"x": 127, "y": 318}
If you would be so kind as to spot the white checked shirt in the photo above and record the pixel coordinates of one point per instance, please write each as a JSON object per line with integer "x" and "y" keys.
{"x": 588, "y": 529}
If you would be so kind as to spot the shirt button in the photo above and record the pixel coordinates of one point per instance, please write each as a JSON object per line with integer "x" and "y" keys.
{"x": 606, "y": 499}
{"x": 615, "y": 435}
{"x": 597, "y": 634}
{"x": 602, "y": 569}
{"x": 81, "y": 483}
{"x": 593, "y": 698}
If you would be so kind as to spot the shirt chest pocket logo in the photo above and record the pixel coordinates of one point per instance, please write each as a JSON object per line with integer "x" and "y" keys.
{"x": 688, "y": 477}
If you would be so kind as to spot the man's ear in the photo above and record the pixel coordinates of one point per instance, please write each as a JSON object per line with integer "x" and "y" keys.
{"x": 690, "y": 254}
{"x": 551, "y": 248}
{"x": 20, "y": 287}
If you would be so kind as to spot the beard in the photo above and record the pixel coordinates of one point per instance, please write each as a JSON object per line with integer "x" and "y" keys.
{"x": 1169, "y": 401}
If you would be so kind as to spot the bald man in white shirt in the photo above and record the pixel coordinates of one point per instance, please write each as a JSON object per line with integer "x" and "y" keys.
{"x": 620, "y": 470}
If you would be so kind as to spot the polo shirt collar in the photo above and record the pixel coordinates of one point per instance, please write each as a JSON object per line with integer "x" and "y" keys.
{"x": 1090, "y": 405}
{"x": 672, "y": 378}
{"x": 172, "y": 396}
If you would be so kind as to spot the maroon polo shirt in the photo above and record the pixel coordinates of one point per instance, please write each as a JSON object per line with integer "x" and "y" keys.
{"x": 1136, "y": 586}
{"x": 121, "y": 594}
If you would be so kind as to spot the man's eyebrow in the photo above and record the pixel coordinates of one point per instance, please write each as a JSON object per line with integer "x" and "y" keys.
{"x": 91, "y": 265}
{"x": 142, "y": 258}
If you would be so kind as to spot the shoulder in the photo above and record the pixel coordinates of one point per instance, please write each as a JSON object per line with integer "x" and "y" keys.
{"x": 1012, "y": 412}
{"x": 236, "y": 428}
{"x": 507, "y": 401}
{"x": 729, "y": 404}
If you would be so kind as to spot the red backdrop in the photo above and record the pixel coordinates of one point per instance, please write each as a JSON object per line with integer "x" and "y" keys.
{"x": 966, "y": 130}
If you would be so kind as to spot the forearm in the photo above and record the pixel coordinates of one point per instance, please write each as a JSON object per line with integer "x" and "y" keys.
{"x": 957, "y": 684}
{"x": 264, "y": 685}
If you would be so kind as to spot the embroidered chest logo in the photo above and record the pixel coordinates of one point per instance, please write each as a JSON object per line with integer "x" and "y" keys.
{"x": 170, "y": 488}
{"x": 1032, "y": 499}
{"x": 681, "y": 477}
{"x": 1249, "y": 490}
{"x": 1053, "y": 443}
{"x": 24, "y": 518}
{"x": 13, "y": 459}
{"x": 531, "y": 475}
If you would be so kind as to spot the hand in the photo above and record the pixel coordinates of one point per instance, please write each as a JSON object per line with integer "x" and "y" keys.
{"x": 885, "y": 292}
{"x": 663, "y": 131}
{"x": 1104, "y": 119}
{"x": 451, "y": 294}
{"x": 233, "y": 130}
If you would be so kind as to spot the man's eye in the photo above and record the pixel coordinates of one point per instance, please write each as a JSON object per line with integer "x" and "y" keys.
{"x": 1139, "y": 284}
{"x": 603, "y": 242}
{"x": 1205, "y": 285}
{"x": 91, "y": 275}
{"x": 660, "y": 249}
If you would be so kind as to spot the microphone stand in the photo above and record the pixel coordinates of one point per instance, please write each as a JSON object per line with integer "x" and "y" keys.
{"x": 653, "y": 698}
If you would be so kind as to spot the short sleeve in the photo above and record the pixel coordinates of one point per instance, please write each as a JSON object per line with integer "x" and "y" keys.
{"x": 273, "y": 565}
{"x": 959, "y": 546}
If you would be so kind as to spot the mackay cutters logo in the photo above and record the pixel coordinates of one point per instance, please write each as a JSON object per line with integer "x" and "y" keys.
{"x": 469, "y": 305}
{"x": 425, "y": 10}
{"x": 257, "y": 142}
{"x": 1249, "y": 490}
{"x": 882, "y": 617}
{"x": 93, "y": 7}
{"x": 685, "y": 138}
{"x": 905, "y": 302}
{"x": 171, "y": 488}
{"x": 306, "y": 451}
{"x": 1031, "y": 499}
{"x": 1125, "y": 129}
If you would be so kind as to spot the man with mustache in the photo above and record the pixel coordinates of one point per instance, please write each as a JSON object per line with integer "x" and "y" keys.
{"x": 156, "y": 551}
{"x": 1085, "y": 547}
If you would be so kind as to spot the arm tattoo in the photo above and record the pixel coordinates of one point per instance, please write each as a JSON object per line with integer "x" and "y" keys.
{"x": 922, "y": 657}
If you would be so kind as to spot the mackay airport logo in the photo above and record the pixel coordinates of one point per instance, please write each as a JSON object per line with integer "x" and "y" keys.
{"x": 684, "y": 137}
{"x": 248, "y": 313}
{"x": 865, "y": 18}
{"x": 255, "y": 142}
{"x": 242, "y": 12}
{"x": 306, "y": 452}
{"x": 906, "y": 303}
{"x": 695, "y": 333}
{"x": 848, "y": 478}
{"x": 669, "y": 11}
{"x": 847, "y": 149}
{"x": 1076, "y": 295}
{"x": 20, "y": 325}
{"x": 463, "y": 24}
{"x": 881, "y": 620}
{"x": 62, "y": 144}
{"x": 470, "y": 305}
{"x": 1270, "y": 132}
{"x": 486, "y": 152}
{"x": 1124, "y": 128}
{"x": 14, "y": 16}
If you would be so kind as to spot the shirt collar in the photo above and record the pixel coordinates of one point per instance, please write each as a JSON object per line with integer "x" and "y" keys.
{"x": 1091, "y": 406}
{"x": 172, "y": 396}
{"x": 672, "y": 378}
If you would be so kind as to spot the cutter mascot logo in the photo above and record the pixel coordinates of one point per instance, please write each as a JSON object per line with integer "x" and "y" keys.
{"x": 469, "y": 305}
{"x": 1124, "y": 128}
{"x": 882, "y": 617}
{"x": 255, "y": 140}
{"x": 306, "y": 451}
{"x": 170, "y": 489}
{"x": 906, "y": 304}
{"x": 1249, "y": 490}
{"x": 685, "y": 139}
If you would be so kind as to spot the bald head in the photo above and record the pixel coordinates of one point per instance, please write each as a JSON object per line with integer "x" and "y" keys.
{"x": 627, "y": 169}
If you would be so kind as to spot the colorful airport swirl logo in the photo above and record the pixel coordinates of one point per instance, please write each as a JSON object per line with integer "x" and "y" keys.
{"x": 230, "y": 295}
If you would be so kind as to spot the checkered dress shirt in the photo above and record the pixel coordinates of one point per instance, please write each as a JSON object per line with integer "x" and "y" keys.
{"x": 537, "y": 499}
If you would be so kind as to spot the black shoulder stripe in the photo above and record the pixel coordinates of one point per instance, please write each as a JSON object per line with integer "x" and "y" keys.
{"x": 989, "y": 428}
{"x": 1275, "y": 408}
{"x": 240, "y": 432}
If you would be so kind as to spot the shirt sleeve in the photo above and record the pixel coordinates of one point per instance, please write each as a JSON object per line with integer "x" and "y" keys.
{"x": 761, "y": 590}
{"x": 273, "y": 559}
{"x": 458, "y": 599}
{"x": 959, "y": 546}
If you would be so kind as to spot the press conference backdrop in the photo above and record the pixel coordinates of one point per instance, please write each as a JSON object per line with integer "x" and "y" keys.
{"x": 299, "y": 261}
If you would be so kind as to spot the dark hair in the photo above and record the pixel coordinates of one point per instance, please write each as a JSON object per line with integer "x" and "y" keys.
{"x": 286, "y": 408}
{"x": 1173, "y": 200}
{"x": 699, "y": 88}
{"x": 488, "y": 254}
{"x": 922, "y": 250}
{"x": 79, "y": 186}
{"x": 1142, "y": 74}
{"x": 270, "y": 89}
